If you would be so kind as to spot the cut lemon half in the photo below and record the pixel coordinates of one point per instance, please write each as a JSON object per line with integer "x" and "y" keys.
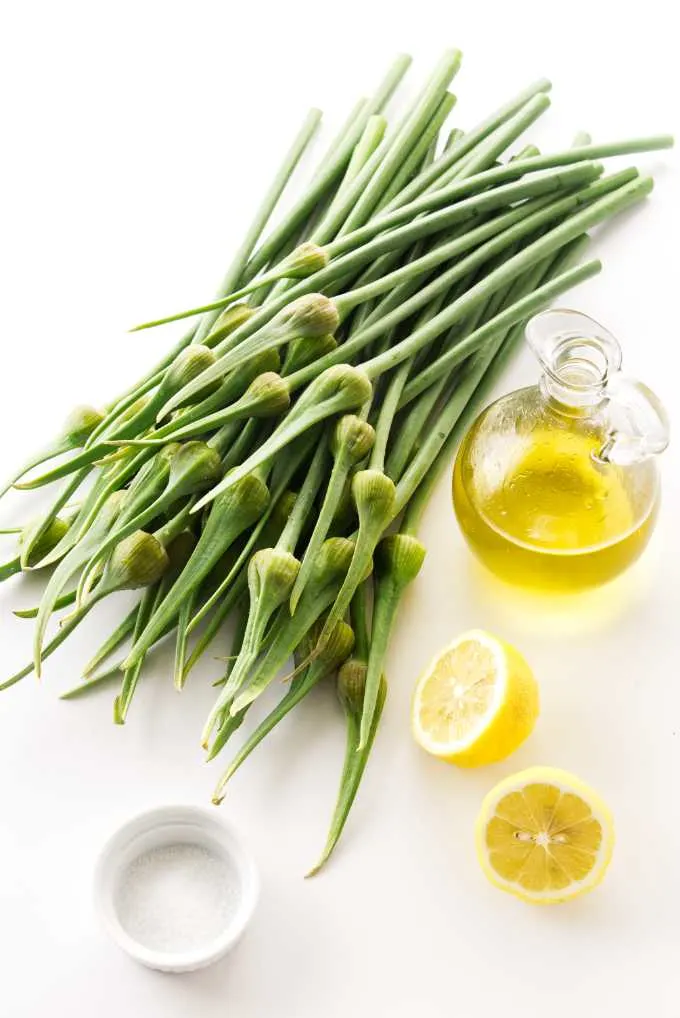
{"x": 476, "y": 703}
{"x": 544, "y": 835}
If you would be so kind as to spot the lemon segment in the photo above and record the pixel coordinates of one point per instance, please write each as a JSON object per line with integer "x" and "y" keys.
{"x": 476, "y": 703}
{"x": 544, "y": 836}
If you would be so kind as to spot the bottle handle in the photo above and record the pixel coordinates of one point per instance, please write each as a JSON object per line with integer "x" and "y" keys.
{"x": 638, "y": 420}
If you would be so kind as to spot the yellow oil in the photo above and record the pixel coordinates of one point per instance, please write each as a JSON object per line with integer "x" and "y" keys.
{"x": 555, "y": 519}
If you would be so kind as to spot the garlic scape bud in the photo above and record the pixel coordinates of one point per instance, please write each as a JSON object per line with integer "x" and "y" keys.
{"x": 145, "y": 487}
{"x": 266, "y": 396}
{"x": 331, "y": 566}
{"x": 137, "y": 561}
{"x": 233, "y": 588}
{"x": 351, "y": 442}
{"x": 109, "y": 480}
{"x": 73, "y": 561}
{"x": 351, "y": 688}
{"x": 312, "y": 315}
{"x": 47, "y": 541}
{"x": 306, "y": 350}
{"x": 304, "y": 261}
{"x": 337, "y": 650}
{"x": 80, "y": 424}
{"x": 189, "y": 469}
{"x": 308, "y": 316}
{"x": 282, "y": 522}
{"x": 230, "y": 390}
{"x": 338, "y": 389}
{"x": 271, "y": 574}
{"x": 77, "y": 428}
{"x": 231, "y": 514}
{"x": 33, "y": 532}
{"x": 179, "y": 552}
{"x": 188, "y": 364}
{"x": 374, "y": 496}
{"x": 231, "y": 319}
{"x": 272, "y": 571}
{"x": 399, "y": 558}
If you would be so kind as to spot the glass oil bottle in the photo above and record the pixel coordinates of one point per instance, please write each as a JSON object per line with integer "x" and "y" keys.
{"x": 556, "y": 486}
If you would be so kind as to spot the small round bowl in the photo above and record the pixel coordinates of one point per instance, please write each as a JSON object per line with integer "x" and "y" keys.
{"x": 166, "y": 828}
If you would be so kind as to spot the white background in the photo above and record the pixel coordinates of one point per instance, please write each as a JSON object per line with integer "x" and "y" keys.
{"x": 137, "y": 138}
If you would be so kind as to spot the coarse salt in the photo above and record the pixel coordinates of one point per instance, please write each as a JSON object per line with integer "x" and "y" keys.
{"x": 177, "y": 897}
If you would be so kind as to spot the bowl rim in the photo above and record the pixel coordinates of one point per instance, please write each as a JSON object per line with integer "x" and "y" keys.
{"x": 199, "y": 819}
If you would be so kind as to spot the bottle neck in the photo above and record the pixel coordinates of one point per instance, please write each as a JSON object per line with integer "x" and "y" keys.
{"x": 575, "y": 380}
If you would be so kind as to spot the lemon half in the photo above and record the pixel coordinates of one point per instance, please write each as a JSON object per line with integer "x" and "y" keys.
{"x": 544, "y": 835}
{"x": 476, "y": 703}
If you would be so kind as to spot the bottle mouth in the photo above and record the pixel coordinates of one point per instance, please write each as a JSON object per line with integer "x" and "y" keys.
{"x": 577, "y": 354}
{"x": 579, "y": 363}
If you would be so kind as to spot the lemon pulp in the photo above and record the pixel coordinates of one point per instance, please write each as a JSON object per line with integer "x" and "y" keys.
{"x": 476, "y": 702}
{"x": 544, "y": 835}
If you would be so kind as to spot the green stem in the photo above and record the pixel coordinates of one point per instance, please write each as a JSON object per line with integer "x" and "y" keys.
{"x": 413, "y": 163}
{"x": 595, "y": 212}
{"x": 320, "y": 592}
{"x": 118, "y": 636}
{"x": 460, "y": 145}
{"x": 354, "y": 765}
{"x": 333, "y": 166}
{"x": 352, "y": 440}
{"x": 229, "y": 517}
{"x": 362, "y": 197}
{"x": 180, "y": 666}
{"x": 151, "y": 598}
{"x": 239, "y": 264}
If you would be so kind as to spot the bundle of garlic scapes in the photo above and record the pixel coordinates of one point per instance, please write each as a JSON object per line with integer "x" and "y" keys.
{"x": 272, "y": 470}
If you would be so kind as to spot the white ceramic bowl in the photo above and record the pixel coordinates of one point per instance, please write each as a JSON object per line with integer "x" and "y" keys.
{"x": 164, "y": 827}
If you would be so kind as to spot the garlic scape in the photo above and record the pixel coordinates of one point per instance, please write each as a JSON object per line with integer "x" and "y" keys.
{"x": 233, "y": 590}
{"x": 192, "y": 361}
{"x": 32, "y": 535}
{"x": 304, "y": 261}
{"x": 233, "y": 512}
{"x": 311, "y": 315}
{"x": 70, "y": 564}
{"x": 113, "y": 641}
{"x": 338, "y": 389}
{"x": 266, "y": 396}
{"x": 77, "y": 428}
{"x": 63, "y": 601}
{"x": 231, "y": 319}
{"x": 271, "y": 575}
{"x": 374, "y": 497}
{"x": 47, "y": 541}
{"x": 107, "y": 481}
{"x": 331, "y": 567}
{"x": 399, "y": 558}
{"x": 351, "y": 442}
{"x": 179, "y": 552}
{"x": 337, "y": 649}
{"x": 351, "y": 688}
{"x": 273, "y": 521}
{"x": 230, "y": 390}
{"x": 176, "y": 473}
{"x": 306, "y": 350}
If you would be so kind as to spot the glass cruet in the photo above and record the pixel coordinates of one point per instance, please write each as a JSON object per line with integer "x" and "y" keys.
{"x": 556, "y": 486}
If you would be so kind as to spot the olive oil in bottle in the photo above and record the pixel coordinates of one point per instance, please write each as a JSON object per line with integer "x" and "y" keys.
{"x": 555, "y": 486}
